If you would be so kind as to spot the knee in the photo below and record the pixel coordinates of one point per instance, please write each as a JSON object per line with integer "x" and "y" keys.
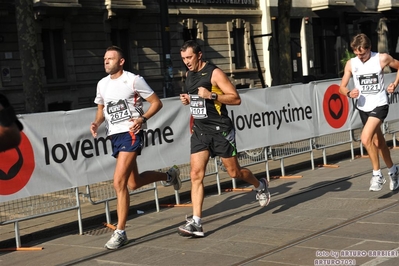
{"x": 197, "y": 177}
{"x": 235, "y": 173}
{"x": 366, "y": 141}
{"x": 119, "y": 186}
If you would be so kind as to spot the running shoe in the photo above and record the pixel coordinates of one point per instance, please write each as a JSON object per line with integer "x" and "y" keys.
{"x": 191, "y": 229}
{"x": 174, "y": 174}
{"x": 394, "y": 184}
{"x": 263, "y": 196}
{"x": 117, "y": 240}
{"x": 377, "y": 182}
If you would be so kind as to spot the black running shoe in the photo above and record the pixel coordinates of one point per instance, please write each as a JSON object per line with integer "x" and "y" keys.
{"x": 174, "y": 174}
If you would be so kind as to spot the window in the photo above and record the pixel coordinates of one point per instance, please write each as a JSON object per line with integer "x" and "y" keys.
{"x": 238, "y": 47}
{"x": 192, "y": 30}
{"x": 239, "y": 31}
{"x": 189, "y": 34}
{"x": 53, "y": 54}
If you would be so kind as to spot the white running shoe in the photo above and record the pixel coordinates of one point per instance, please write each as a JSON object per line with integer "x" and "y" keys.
{"x": 263, "y": 196}
{"x": 394, "y": 184}
{"x": 117, "y": 240}
{"x": 377, "y": 182}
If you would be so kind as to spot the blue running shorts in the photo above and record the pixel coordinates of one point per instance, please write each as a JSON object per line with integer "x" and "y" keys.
{"x": 127, "y": 141}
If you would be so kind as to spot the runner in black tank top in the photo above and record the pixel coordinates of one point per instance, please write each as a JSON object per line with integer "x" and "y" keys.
{"x": 217, "y": 120}
{"x": 209, "y": 91}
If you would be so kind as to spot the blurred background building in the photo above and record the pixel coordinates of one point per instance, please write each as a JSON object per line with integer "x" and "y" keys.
{"x": 240, "y": 36}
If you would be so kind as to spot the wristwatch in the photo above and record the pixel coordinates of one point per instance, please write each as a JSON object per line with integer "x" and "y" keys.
{"x": 214, "y": 96}
{"x": 144, "y": 119}
{"x": 348, "y": 94}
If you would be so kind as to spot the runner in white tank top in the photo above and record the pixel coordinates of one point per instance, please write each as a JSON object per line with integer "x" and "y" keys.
{"x": 371, "y": 94}
{"x": 369, "y": 79}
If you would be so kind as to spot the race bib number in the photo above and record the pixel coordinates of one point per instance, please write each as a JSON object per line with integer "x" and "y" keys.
{"x": 369, "y": 83}
{"x": 118, "y": 112}
{"x": 197, "y": 107}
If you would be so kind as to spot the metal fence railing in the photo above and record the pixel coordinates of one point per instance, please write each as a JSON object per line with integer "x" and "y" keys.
{"x": 104, "y": 192}
{"x": 285, "y": 150}
{"x": 251, "y": 157}
{"x": 331, "y": 140}
{"x": 37, "y": 206}
{"x": 211, "y": 169}
{"x": 393, "y": 128}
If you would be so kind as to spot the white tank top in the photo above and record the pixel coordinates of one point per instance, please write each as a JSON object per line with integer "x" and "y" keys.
{"x": 368, "y": 77}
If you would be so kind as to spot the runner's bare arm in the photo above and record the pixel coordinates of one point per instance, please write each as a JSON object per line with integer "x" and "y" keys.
{"x": 388, "y": 60}
{"x": 230, "y": 95}
{"x": 155, "y": 106}
{"x": 97, "y": 121}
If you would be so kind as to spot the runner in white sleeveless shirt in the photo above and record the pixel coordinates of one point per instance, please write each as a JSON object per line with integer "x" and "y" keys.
{"x": 367, "y": 70}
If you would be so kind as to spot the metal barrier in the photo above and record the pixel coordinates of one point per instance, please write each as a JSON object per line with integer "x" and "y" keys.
{"x": 356, "y": 134}
{"x": 285, "y": 150}
{"x": 252, "y": 157}
{"x": 104, "y": 192}
{"x": 38, "y": 206}
{"x": 211, "y": 169}
{"x": 332, "y": 140}
{"x": 393, "y": 128}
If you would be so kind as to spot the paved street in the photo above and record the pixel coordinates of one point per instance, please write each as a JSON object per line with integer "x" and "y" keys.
{"x": 324, "y": 216}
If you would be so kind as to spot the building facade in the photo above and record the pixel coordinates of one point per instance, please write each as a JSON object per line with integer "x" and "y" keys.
{"x": 240, "y": 36}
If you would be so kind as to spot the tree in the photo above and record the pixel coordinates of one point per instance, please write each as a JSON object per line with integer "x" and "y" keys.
{"x": 31, "y": 72}
{"x": 284, "y": 38}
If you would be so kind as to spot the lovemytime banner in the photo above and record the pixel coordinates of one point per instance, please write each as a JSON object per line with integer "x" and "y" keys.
{"x": 58, "y": 152}
{"x": 274, "y": 115}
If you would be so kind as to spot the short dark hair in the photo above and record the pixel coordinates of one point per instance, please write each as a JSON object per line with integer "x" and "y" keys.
{"x": 360, "y": 41}
{"x": 191, "y": 44}
{"x": 117, "y": 49}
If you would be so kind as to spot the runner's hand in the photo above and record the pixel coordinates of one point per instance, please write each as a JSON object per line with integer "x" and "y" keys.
{"x": 93, "y": 129}
{"x": 185, "y": 98}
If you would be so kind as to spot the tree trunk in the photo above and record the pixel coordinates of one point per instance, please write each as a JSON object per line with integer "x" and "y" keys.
{"x": 284, "y": 37}
{"x": 27, "y": 41}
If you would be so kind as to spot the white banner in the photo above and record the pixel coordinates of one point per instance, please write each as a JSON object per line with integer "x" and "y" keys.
{"x": 273, "y": 115}
{"x": 58, "y": 152}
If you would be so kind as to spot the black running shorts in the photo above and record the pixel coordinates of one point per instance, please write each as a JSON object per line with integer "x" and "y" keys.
{"x": 379, "y": 112}
{"x": 221, "y": 144}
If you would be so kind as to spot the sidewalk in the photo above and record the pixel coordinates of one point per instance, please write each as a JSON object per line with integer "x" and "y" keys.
{"x": 93, "y": 215}
{"x": 322, "y": 216}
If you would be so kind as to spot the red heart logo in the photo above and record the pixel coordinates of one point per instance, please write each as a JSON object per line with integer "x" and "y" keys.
{"x": 8, "y": 159}
{"x": 335, "y": 105}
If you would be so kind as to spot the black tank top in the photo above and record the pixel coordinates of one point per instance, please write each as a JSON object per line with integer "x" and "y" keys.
{"x": 217, "y": 120}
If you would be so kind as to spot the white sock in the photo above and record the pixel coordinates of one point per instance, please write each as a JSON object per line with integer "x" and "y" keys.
{"x": 261, "y": 186}
{"x": 197, "y": 219}
{"x": 392, "y": 170}
{"x": 377, "y": 172}
{"x": 119, "y": 231}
